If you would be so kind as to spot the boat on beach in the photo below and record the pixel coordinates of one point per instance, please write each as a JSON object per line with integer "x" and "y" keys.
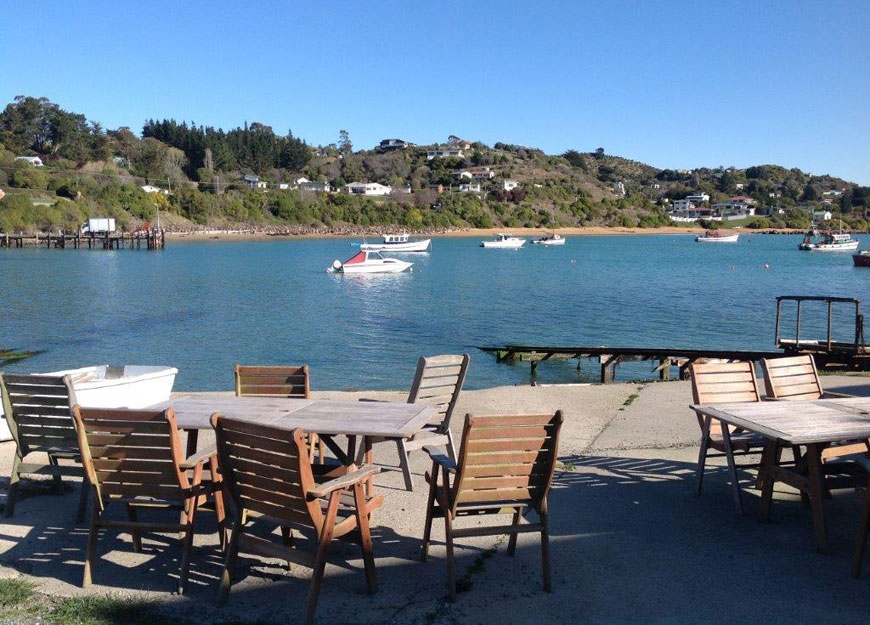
{"x": 504, "y": 241}
{"x": 714, "y": 236}
{"x": 550, "y": 239}
{"x": 397, "y": 243}
{"x": 121, "y": 386}
{"x": 828, "y": 241}
{"x": 369, "y": 262}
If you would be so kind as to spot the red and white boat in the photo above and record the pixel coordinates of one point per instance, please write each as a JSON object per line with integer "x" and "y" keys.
{"x": 369, "y": 262}
{"x": 714, "y": 236}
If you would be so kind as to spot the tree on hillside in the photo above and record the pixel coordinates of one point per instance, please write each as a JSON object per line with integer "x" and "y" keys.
{"x": 344, "y": 144}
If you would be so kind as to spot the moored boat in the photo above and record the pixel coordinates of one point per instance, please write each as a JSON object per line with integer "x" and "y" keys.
{"x": 504, "y": 241}
{"x": 714, "y": 236}
{"x": 398, "y": 243}
{"x": 369, "y": 262}
{"x": 550, "y": 239}
{"x": 862, "y": 258}
{"x": 828, "y": 241}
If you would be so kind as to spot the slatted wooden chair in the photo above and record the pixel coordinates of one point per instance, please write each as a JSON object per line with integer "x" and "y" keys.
{"x": 437, "y": 382}
{"x": 277, "y": 380}
{"x": 134, "y": 459}
{"x": 38, "y": 410}
{"x": 268, "y": 474}
{"x": 795, "y": 378}
{"x": 505, "y": 465}
{"x": 714, "y": 383}
{"x": 863, "y": 524}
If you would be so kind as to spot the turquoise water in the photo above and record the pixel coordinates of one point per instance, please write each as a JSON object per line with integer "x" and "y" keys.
{"x": 204, "y": 306}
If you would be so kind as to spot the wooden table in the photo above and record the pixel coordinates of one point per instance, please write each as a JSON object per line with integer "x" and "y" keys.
{"x": 810, "y": 424}
{"x": 327, "y": 417}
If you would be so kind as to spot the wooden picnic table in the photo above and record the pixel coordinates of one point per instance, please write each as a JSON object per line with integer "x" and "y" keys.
{"x": 327, "y": 417}
{"x": 813, "y": 425}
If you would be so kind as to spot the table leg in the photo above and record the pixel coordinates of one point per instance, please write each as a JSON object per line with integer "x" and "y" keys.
{"x": 732, "y": 469}
{"x": 702, "y": 453}
{"x": 769, "y": 461}
{"x": 814, "y": 470}
{"x": 192, "y": 438}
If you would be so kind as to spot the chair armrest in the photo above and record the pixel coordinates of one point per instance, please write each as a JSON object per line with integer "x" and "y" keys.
{"x": 199, "y": 457}
{"x": 370, "y": 399}
{"x": 439, "y": 456}
{"x": 345, "y": 481}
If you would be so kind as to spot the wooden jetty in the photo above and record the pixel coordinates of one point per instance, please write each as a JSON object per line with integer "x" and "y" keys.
{"x": 609, "y": 358}
{"x": 830, "y": 351}
{"x": 154, "y": 240}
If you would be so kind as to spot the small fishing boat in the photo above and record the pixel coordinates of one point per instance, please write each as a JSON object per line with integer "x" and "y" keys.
{"x": 121, "y": 386}
{"x": 504, "y": 241}
{"x": 862, "y": 258}
{"x": 397, "y": 243}
{"x": 714, "y": 236}
{"x": 369, "y": 262}
{"x": 828, "y": 241}
{"x": 550, "y": 239}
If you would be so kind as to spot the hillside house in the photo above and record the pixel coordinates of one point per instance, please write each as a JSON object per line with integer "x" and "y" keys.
{"x": 698, "y": 198}
{"x": 254, "y": 182}
{"x": 150, "y": 188}
{"x": 33, "y": 160}
{"x": 470, "y": 187}
{"x": 391, "y": 145}
{"x": 482, "y": 174}
{"x": 510, "y": 185}
{"x": 318, "y": 187}
{"x": 444, "y": 153}
{"x": 368, "y": 188}
{"x": 821, "y": 216}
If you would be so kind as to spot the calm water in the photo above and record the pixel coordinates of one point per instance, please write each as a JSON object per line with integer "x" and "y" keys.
{"x": 204, "y": 306}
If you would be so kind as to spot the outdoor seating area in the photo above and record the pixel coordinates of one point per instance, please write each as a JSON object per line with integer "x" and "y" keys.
{"x": 597, "y": 481}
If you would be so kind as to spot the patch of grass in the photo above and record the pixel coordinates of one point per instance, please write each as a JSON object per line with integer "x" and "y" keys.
{"x": 15, "y": 592}
{"x": 104, "y": 610}
{"x": 464, "y": 583}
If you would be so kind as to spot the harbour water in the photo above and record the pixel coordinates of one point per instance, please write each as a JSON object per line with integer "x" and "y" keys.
{"x": 204, "y": 306}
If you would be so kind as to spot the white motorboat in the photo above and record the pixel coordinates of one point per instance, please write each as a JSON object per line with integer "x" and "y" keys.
{"x": 550, "y": 239}
{"x": 714, "y": 236}
{"x": 828, "y": 242}
{"x": 504, "y": 241}
{"x": 123, "y": 386}
{"x": 369, "y": 262}
{"x": 397, "y": 243}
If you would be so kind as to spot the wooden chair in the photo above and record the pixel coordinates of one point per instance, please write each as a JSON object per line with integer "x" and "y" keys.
{"x": 268, "y": 472}
{"x": 505, "y": 465}
{"x": 437, "y": 382}
{"x": 714, "y": 383}
{"x": 282, "y": 381}
{"x": 38, "y": 410}
{"x": 864, "y": 523}
{"x": 134, "y": 458}
{"x": 795, "y": 378}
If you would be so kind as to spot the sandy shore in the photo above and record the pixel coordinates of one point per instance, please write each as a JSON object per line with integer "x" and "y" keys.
{"x": 463, "y": 232}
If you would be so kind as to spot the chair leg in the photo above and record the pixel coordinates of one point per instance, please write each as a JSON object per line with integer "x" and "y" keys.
{"x": 451, "y": 567}
{"x": 91, "y": 549}
{"x": 362, "y": 519}
{"x": 83, "y": 499}
{"x": 861, "y": 540}
{"x": 545, "y": 550}
{"x": 14, "y": 480}
{"x": 230, "y": 560}
{"x": 430, "y": 505}
{"x": 187, "y": 547}
{"x": 320, "y": 560}
{"x": 702, "y": 455}
{"x": 512, "y": 541}
{"x": 732, "y": 471}
{"x": 403, "y": 462}
{"x": 135, "y": 534}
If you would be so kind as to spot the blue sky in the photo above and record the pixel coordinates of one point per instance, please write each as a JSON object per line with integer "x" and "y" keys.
{"x": 674, "y": 84}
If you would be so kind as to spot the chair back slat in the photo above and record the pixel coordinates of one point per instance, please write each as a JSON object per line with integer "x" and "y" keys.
{"x": 438, "y": 382}
{"x": 131, "y": 454}
{"x": 791, "y": 378}
{"x": 284, "y": 381}
{"x": 266, "y": 470}
{"x": 506, "y": 458}
{"x": 38, "y": 410}
{"x": 723, "y": 382}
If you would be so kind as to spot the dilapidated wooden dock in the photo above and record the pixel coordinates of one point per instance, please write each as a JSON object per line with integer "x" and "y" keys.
{"x": 155, "y": 240}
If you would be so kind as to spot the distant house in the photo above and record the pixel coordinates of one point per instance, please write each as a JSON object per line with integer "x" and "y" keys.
{"x": 482, "y": 174}
{"x": 283, "y": 186}
{"x": 510, "y": 185}
{"x": 150, "y": 188}
{"x": 742, "y": 199}
{"x": 471, "y": 187}
{"x": 368, "y": 188}
{"x": 458, "y": 175}
{"x": 253, "y": 181}
{"x": 822, "y": 215}
{"x": 319, "y": 187}
{"x": 390, "y": 145}
{"x": 698, "y": 198}
{"x": 33, "y": 160}
{"x": 444, "y": 153}
{"x": 737, "y": 208}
